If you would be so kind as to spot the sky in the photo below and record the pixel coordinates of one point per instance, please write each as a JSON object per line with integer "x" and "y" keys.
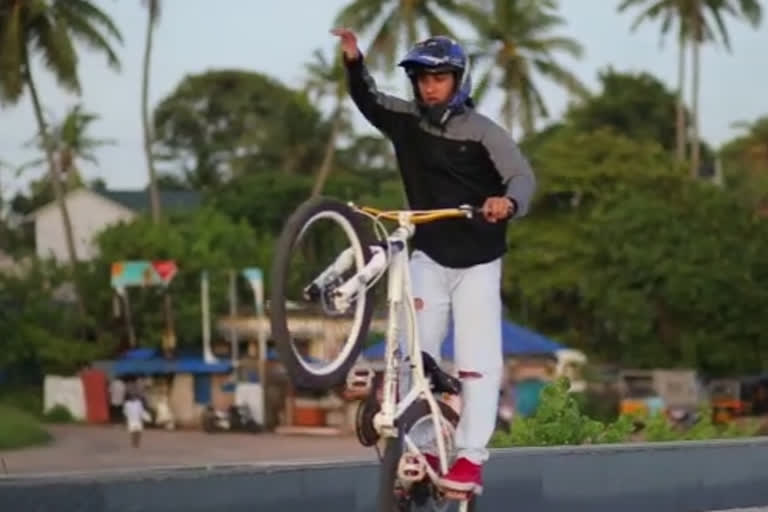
{"x": 192, "y": 37}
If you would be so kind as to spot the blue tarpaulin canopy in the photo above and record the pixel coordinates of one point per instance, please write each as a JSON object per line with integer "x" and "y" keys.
{"x": 516, "y": 340}
{"x": 147, "y": 362}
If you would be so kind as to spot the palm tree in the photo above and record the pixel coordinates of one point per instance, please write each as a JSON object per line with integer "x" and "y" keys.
{"x": 669, "y": 11}
{"x": 394, "y": 22}
{"x": 698, "y": 21}
{"x": 750, "y": 10}
{"x": 153, "y": 14}
{"x": 71, "y": 142}
{"x": 48, "y": 27}
{"x": 327, "y": 79}
{"x": 516, "y": 37}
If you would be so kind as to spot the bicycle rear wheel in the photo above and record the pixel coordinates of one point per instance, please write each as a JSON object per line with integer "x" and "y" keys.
{"x": 421, "y": 496}
{"x": 321, "y": 246}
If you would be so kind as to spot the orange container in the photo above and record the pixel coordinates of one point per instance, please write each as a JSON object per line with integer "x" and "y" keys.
{"x": 308, "y": 416}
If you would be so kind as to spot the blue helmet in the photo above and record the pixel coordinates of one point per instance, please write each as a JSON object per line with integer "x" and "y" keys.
{"x": 440, "y": 54}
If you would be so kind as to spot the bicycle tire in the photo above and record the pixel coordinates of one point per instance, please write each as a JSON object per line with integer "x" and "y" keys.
{"x": 302, "y": 377}
{"x": 386, "y": 498}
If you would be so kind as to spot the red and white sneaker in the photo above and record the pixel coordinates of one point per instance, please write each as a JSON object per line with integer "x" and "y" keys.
{"x": 463, "y": 477}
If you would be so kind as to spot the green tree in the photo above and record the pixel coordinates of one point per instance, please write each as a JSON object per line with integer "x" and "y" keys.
{"x": 676, "y": 278}
{"x": 48, "y": 27}
{"x": 698, "y": 22}
{"x": 552, "y": 251}
{"x": 637, "y": 105}
{"x": 394, "y": 23}
{"x": 516, "y": 38}
{"x": 41, "y": 334}
{"x": 635, "y": 264}
{"x": 206, "y": 240}
{"x": 745, "y": 163}
{"x": 221, "y": 124}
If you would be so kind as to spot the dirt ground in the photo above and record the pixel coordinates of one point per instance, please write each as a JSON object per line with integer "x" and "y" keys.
{"x": 99, "y": 448}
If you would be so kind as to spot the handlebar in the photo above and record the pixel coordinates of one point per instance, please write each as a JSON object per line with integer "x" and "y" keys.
{"x": 423, "y": 216}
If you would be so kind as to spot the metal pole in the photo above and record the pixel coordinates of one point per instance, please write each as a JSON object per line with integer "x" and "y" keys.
{"x": 232, "y": 313}
{"x": 206, "y": 314}
{"x": 259, "y": 297}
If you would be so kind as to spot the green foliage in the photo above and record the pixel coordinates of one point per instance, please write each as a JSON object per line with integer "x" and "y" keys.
{"x": 693, "y": 289}
{"x": 28, "y": 399}
{"x": 658, "y": 428}
{"x": 599, "y": 161}
{"x": 41, "y": 330}
{"x": 398, "y": 20}
{"x": 266, "y": 199}
{"x": 627, "y": 259}
{"x": 514, "y": 39}
{"x": 206, "y": 240}
{"x": 232, "y": 123}
{"x": 559, "y": 421}
{"x": 50, "y": 28}
{"x": 58, "y": 414}
{"x": 19, "y": 429}
{"x": 636, "y": 105}
{"x": 745, "y": 163}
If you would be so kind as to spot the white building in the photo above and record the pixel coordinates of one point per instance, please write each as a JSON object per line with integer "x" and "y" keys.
{"x": 90, "y": 212}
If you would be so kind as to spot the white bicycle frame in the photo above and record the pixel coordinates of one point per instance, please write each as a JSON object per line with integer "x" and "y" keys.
{"x": 399, "y": 298}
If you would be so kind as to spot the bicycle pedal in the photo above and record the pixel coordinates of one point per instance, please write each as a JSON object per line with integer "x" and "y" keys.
{"x": 360, "y": 381}
{"x": 411, "y": 468}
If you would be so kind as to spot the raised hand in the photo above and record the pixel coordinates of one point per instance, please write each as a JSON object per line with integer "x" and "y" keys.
{"x": 348, "y": 42}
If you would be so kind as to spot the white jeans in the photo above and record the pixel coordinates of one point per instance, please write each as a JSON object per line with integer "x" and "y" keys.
{"x": 472, "y": 297}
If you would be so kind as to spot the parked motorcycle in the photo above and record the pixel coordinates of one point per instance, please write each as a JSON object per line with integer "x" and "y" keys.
{"x": 237, "y": 418}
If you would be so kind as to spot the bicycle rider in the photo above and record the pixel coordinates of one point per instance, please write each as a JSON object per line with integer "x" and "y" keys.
{"x": 449, "y": 154}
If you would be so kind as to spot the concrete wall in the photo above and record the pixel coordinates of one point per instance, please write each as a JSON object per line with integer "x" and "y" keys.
{"x": 663, "y": 477}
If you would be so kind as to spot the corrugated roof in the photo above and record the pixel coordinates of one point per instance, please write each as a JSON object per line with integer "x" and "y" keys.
{"x": 139, "y": 199}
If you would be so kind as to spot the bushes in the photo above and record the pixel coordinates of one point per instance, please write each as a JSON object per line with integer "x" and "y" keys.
{"x": 58, "y": 414}
{"x": 559, "y": 420}
{"x": 19, "y": 429}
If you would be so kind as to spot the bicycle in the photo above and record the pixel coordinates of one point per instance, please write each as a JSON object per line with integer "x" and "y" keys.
{"x": 406, "y": 478}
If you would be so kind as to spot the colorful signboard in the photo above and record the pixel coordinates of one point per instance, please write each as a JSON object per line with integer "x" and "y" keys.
{"x": 142, "y": 273}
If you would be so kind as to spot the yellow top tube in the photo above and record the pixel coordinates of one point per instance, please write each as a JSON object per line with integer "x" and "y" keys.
{"x": 418, "y": 216}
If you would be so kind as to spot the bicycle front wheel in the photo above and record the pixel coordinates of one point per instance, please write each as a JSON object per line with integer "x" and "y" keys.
{"x": 321, "y": 246}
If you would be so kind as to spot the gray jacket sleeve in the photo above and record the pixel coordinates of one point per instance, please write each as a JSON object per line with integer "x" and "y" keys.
{"x": 513, "y": 167}
{"x": 383, "y": 111}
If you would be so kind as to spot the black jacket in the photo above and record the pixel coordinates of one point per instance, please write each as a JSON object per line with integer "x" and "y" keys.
{"x": 466, "y": 161}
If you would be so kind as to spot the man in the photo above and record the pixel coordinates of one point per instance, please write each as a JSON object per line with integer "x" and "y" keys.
{"x": 450, "y": 155}
{"x": 116, "y": 399}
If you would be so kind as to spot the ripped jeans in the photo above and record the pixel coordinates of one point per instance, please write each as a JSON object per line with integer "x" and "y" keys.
{"x": 472, "y": 298}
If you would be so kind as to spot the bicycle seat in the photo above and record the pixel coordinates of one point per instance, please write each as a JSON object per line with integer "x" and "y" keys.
{"x": 441, "y": 381}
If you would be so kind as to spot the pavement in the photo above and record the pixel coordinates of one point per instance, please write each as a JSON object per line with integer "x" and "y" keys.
{"x": 107, "y": 448}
